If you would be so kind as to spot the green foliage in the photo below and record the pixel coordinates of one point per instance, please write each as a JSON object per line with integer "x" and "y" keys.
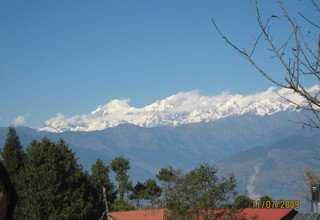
{"x": 149, "y": 191}
{"x": 55, "y": 186}
{"x": 138, "y": 193}
{"x": 99, "y": 178}
{"x": 152, "y": 190}
{"x": 187, "y": 195}
{"x": 265, "y": 198}
{"x": 12, "y": 154}
{"x": 166, "y": 174}
{"x": 122, "y": 205}
{"x": 120, "y": 166}
{"x": 243, "y": 201}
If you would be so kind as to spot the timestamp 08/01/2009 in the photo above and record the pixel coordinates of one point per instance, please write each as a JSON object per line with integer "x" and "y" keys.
{"x": 280, "y": 204}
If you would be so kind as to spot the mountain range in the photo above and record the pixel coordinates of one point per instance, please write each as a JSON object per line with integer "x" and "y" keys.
{"x": 277, "y": 150}
{"x": 253, "y": 136}
{"x": 185, "y": 145}
{"x": 178, "y": 109}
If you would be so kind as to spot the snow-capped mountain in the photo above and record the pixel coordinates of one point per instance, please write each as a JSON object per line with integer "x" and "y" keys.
{"x": 181, "y": 108}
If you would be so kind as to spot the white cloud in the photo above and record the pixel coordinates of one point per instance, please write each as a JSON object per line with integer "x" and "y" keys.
{"x": 181, "y": 108}
{"x": 20, "y": 120}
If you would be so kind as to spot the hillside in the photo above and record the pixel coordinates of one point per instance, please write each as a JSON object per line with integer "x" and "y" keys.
{"x": 277, "y": 169}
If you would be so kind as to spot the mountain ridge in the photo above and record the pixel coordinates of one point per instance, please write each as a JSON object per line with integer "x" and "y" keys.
{"x": 185, "y": 145}
{"x": 178, "y": 109}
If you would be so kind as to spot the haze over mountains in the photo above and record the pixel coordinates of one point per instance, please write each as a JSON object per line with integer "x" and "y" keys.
{"x": 181, "y": 108}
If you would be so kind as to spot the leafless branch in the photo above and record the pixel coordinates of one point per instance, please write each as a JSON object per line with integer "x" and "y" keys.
{"x": 303, "y": 61}
{"x": 314, "y": 24}
{"x": 247, "y": 57}
{"x": 307, "y": 46}
{"x": 316, "y": 5}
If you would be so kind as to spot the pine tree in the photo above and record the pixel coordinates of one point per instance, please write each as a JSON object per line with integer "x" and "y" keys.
{"x": 138, "y": 193}
{"x": 99, "y": 178}
{"x": 152, "y": 190}
{"x": 148, "y": 191}
{"x": 120, "y": 166}
{"x": 54, "y": 184}
{"x": 12, "y": 154}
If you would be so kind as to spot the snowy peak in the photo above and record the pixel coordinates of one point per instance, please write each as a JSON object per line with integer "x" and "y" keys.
{"x": 181, "y": 108}
{"x": 112, "y": 107}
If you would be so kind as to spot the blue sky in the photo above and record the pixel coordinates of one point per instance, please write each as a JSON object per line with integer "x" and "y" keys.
{"x": 70, "y": 56}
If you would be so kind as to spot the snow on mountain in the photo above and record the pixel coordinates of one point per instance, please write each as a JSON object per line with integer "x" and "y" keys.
{"x": 181, "y": 108}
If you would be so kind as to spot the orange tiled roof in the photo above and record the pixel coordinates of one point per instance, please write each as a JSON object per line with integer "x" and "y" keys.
{"x": 267, "y": 214}
{"x": 158, "y": 214}
{"x": 148, "y": 214}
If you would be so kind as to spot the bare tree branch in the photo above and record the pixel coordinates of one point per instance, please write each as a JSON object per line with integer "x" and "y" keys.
{"x": 303, "y": 61}
{"x": 316, "y": 5}
{"x": 309, "y": 20}
{"x": 247, "y": 57}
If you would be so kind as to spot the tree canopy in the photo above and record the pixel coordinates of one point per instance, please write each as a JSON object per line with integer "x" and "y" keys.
{"x": 148, "y": 191}
{"x": 196, "y": 192}
{"x": 55, "y": 186}
{"x": 120, "y": 166}
{"x": 99, "y": 179}
{"x": 243, "y": 201}
{"x": 12, "y": 154}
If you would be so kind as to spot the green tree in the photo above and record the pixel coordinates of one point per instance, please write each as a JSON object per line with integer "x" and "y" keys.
{"x": 122, "y": 205}
{"x": 197, "y": 192}
{"x": 149, "y": 191}
{"x": 166, "y": 174}
{"x": 120, "y": 166}
{"x": 12, "y": 154}
{"x": 243, "y": 201}
{"x": 138, "y": 193}
{"x": 265, "y": 198}
{"x": 152, "y": 190}
{"x": 99, "y": 179}
{"x": 54, "y": 184}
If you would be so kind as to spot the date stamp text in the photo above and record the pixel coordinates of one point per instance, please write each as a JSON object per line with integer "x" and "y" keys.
{"x": 271, "y": 204}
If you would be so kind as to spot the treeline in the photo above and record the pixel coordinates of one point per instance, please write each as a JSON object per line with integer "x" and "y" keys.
{"x": 51, "y": 184}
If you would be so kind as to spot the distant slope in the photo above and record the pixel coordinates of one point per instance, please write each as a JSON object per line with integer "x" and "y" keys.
{"x": 276, "y": 170}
